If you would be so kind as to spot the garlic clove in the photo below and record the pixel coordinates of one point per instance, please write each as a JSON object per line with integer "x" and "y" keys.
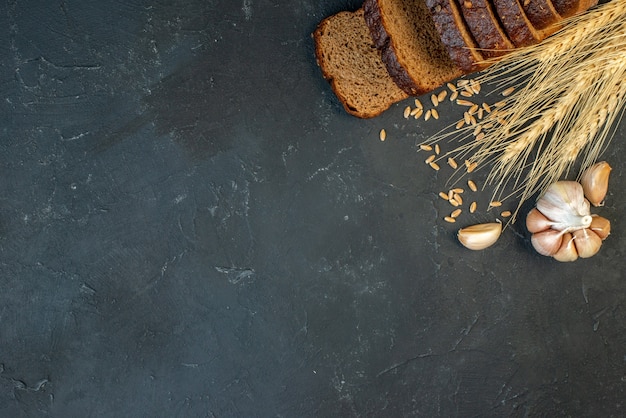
{"x": 601, "y": 226}
{"x": 595, "y": 182}
{"x": 481, "y": 236}
{"x": 567, "y": 252}
{"x": 587, "y": 242}
{"x": 547, "y": 242}
{"x": 536, "y": 221}
{"x": 565, "y": 205}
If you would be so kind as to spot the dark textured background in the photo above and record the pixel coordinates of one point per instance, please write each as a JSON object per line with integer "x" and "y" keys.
{"x": 191, "y": 226}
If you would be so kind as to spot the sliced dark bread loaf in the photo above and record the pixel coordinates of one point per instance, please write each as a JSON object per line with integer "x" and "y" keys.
{"x": 352, "y": 64}
{"x": 454, "y": 34}
{"x": 567, "y": 8}
{"x": 541, "y": 13}
{"x": 516, "y": 24}
{"x": 484, "y": 25}
{"x": 410, "y": 45}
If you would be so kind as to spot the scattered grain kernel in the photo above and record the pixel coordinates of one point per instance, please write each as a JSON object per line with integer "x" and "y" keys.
{"x": 382, "y": 135}
{"x": 418, "y": 104}
{"x": 463, "y": 102}
{"x": 435, "y": 113}
{"x": 472, "y": 167}
{"x": 466, "y": 93}
{"x": 449, "y": 219}
{"x": 477, "y": 130}
{"x": 434, "y": 166}
{"x": 434, "y": 100}
{"x": 458, "y": 190}
{"x": 488, "y": 125}
{"x": 460, "y": 124}
{"x": 450, "y": 195}
{"x": 472, "y": 185}
{"x": 442, "y": 96}
{"x": 467, "y": 118}
{"x": 487, "y": 107}
{"x": 428, "y": 114}
{"x": 458, "y": 199}
{"x": 481, "y": 113}
{"x": 454, "y": 95}
{"x": 452, "y": 163}
{"x": 472, "y": 207}
{"x": 508, "y": 91}
{"x": 462, "y": 83}
{"x": 407, "y": 112}
{"x": 473, "y": 120}
{"x": 495, "y": 204}
{"x": 473, "y": 109}
{"x": 425, "y": 147}
{"x": 506, "y": 214}
{"x": 480, "y": 137}
{"x": 454, "y": 202}
{"x": 500, "y": 103}
{"x": 437, "y": 149}
{"x": 414, "y": 111}
{"x": 455, "y": 213}
{"x": 430, "y": 159}
{"x": 451, "y": 86}
{"x": 419, "y": 113}
{"x": 443, "y": 195}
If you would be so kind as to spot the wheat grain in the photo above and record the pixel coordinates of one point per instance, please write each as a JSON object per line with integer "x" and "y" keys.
{"x": 434, "y": 100}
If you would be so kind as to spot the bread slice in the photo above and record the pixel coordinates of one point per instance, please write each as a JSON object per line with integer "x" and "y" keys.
{"x": 567, "y": 8}
{"x": 516, "y": 24}
{"x": 410, "y": 45}
{"x": 485, "y": 28}
{"x": 541, "y": 13}
{"x": 454, "y": 34}
{"x": 352, "y": 64}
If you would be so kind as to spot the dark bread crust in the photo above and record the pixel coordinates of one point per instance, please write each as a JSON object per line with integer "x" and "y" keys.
{"x": 374, "y": 22}
{"x": 567, "y": 8}
{"x": 541, "y": 13}
{"x": 396, "y": 71}
{"x": 461, "y": 47}
{"x": 515, "y": 23}
{"x": 485, "y": 28}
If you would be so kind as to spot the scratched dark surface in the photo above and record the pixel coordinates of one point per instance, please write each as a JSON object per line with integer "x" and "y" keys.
{"x": 191, "y": 226}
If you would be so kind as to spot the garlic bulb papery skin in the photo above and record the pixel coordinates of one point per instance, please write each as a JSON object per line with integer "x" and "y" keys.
{"x": 601, "y": 226}
{"x": 565, "y": 205}
{"x": 481, "y": 236}
{"x": 547, "y": 242}
{"x": 537, "y": 222}
{"x": 587, "y": 242}
{"x": 567, "y": 252}
{"x": 595, "y": 182}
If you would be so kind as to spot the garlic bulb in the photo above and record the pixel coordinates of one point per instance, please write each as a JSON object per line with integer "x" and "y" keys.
{"x": 595, "y": 182}
{"x": 481, "y": 236}
{"x": 562, "y": 225}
